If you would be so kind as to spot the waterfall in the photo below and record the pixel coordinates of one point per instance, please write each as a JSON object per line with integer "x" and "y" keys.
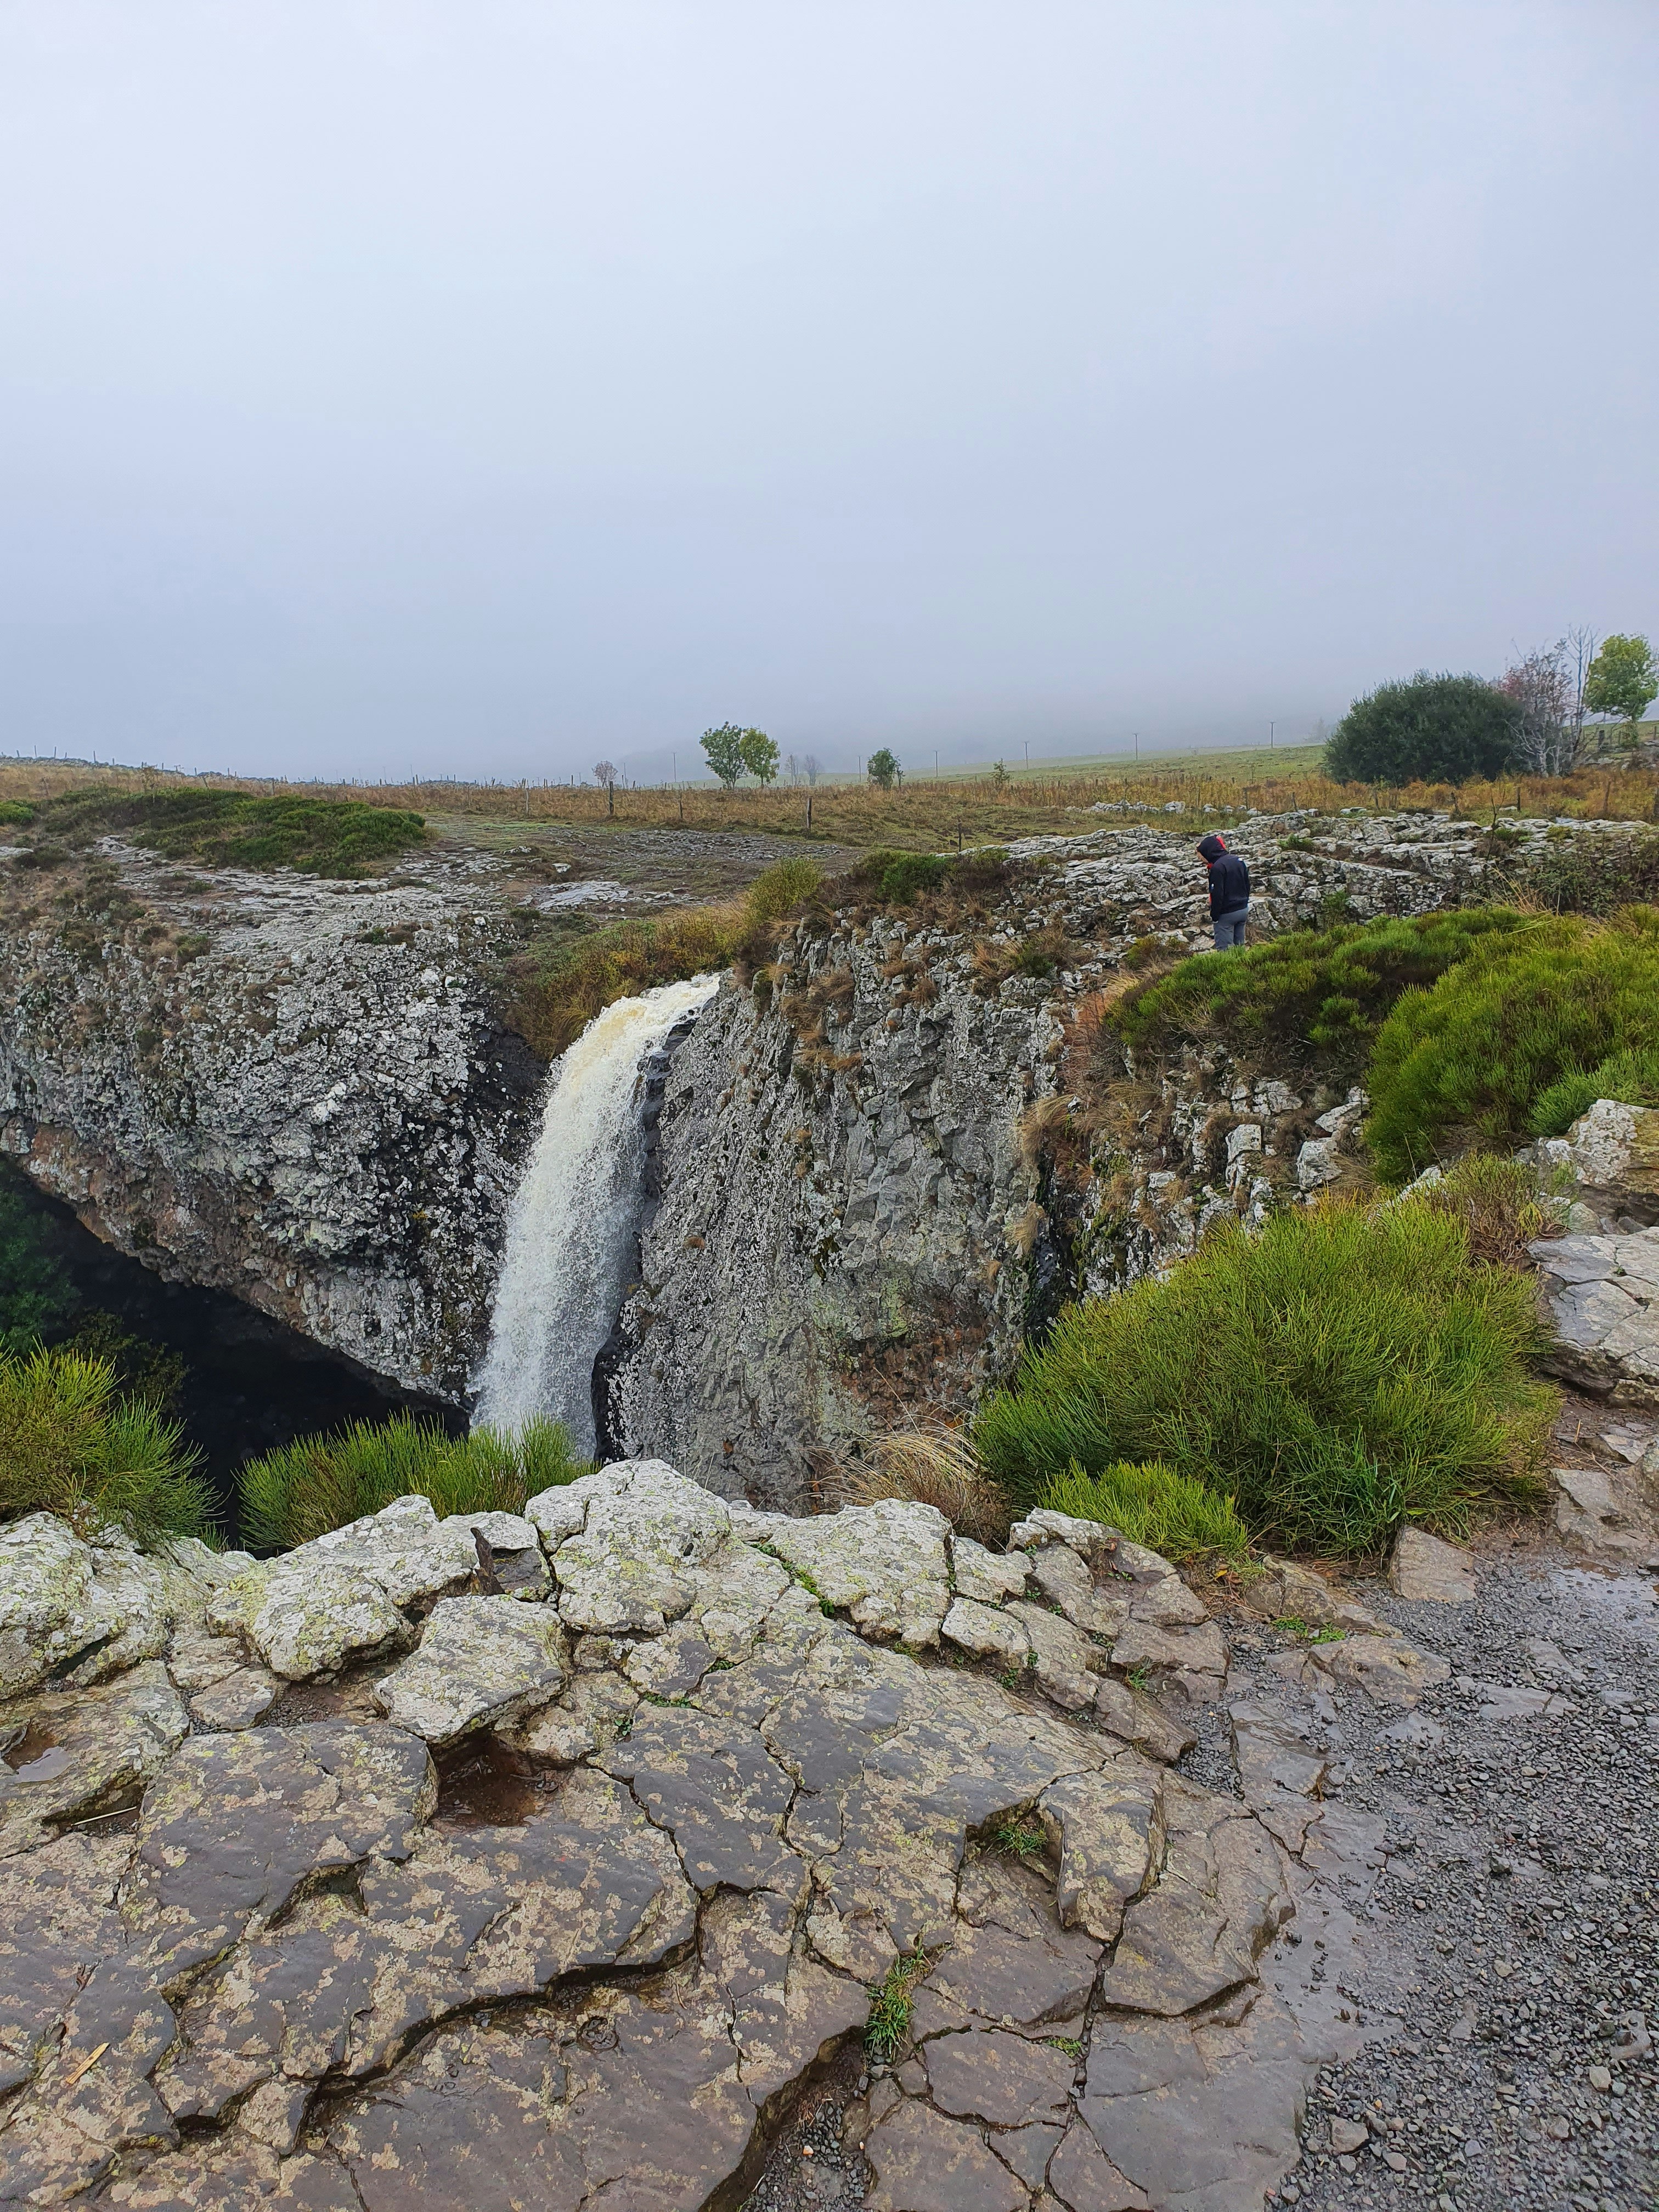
{"x": 572, "y": 1236}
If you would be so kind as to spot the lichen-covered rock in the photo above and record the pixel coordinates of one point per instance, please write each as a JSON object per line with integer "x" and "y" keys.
{"x": 310, "y": 1620}
{"x": 885, "y": 1564}
{"x": 81, "y": 1612}
{"x": 986, "y": 1631}
{"x": 314, "y": 1977}
{"x": 1390, "y": 1671}
{"x": 482, "y": 1660}
{"x": 1601, "y": 1297}
{"x": 92, "y": 1750}
{"x": 987, "y": 1577}
{"x": 629, "y": 1561}
{"x": 1611, "y": 1154}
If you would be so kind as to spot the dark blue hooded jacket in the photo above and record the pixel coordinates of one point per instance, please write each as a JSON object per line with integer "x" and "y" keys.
{"x": 1230, "y": 879}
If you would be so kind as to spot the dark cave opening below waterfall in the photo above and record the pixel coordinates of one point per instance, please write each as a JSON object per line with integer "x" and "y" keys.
{"x": 250, "y": 1383}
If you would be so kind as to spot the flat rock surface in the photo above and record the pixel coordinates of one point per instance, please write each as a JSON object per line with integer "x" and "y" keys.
{"x": 616, "y": 1946}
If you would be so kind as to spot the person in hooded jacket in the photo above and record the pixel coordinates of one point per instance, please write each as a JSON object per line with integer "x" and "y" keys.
{"x": 1230, "y": 891}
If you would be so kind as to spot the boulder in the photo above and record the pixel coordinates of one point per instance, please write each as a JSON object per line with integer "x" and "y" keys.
{"x": 1426, "y": 1571}
{"x": 1601, "y": 1295}
{"x": 1611, "y": 1154}
{"x": 625, "y": 1544}
{"x": 885, "y": 1564}
{"x": 482, "y": 1661}
{"x": 81, "y": 1612}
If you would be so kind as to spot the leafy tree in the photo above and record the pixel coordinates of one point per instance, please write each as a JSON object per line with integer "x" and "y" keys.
{"x": 724, "y": 747}
{"x": 882, "y": 768}
{"x": 1623, "y": 681}
{"x": 1435, "y": 729}
{"x": 760, "y": 756}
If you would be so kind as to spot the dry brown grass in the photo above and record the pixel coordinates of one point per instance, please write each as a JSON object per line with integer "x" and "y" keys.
{"x": 930, "y": 1465}
{"x": 918, "y": 816}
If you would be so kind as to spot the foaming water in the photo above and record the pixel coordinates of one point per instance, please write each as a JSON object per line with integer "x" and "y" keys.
{"x": 572, "y": 1234}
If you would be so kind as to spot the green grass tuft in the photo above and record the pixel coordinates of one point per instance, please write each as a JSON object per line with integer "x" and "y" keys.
{"x": 69, "y": 1444}
{"x": 1321, "y": 991}
{"x": 888, "y": 2029}
{"x": 1151, "y": 1505}
{"x": 1344, "y": 1371}
{"x": 1471, "y": 1059}
{"x": 304, "y": 1489}
{"x": 1631, "y": 1077}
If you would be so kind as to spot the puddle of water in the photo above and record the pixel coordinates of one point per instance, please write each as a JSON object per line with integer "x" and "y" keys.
{"x": 49, "y": 1766}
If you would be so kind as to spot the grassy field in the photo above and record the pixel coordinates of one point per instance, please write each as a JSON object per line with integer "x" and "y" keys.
{"x": 919, "y": 815}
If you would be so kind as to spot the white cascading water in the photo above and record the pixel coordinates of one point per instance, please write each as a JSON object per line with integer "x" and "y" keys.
{"x": 571, "y": 1234}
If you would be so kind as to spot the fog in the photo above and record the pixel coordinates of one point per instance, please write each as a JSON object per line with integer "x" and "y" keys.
{"x": 485, "y": 390}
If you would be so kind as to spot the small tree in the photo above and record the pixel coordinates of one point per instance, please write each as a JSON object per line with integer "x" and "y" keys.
{"x": 812, "y": 769}
{"x": 1540, "y": 688}
{"x": 882, "y": 768}
{"x": 1429, "y": 728}
{"x": 724, "y": 747}
{"x": 760, "y": 756}
{"x": 603, "y": 773}
{"x": 1622, "y": 681}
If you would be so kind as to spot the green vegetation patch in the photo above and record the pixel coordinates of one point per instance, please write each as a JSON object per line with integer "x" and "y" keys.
{"x": 74, "y": 1447}
{"x": 896, "y": 878}
{"x": 1477, "y": 1056}
{"x": 1325, "y": 991}
{"x": 1150, "y": 1504}
{"x": 234, "y": 829}
{"x": 1344, "y": 1371}
{"x": 37, "y": 1296}
{"x": 321, "y": 1483}
{"x": 304, "y": 1489}
{"x": 888, "y": 2029}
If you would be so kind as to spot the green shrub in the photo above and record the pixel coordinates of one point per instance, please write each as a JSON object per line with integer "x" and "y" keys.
{"x": 306, "y": 1488}
{"x": 778, "y": 888}
{"x": 1432, "y": 729}
{"x": 1593, "y": 872}
{"x": 1471, "y": 1057}
{"x": 1322, "y": 990}
{"x": 36, "y": 1294}
{"x": 15, "y": 811}
{"x": 1500, "y": 1204}
{"x": 1343, "y": 1371}
{"x": 232, "y": 830}
{"x": 70, "y": 1445}
{"x": 1151, "y": 1505}
{"x": 1631, "y": 1077}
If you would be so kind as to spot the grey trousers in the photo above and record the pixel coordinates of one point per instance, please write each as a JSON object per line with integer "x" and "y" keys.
{"x": 1230, "y": 929}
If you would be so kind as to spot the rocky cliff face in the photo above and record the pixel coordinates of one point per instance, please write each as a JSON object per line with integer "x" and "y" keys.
{"x": 293, "y": 1091}
{"x": 299, "y": 1092}
{"x": 859, "y": 1216}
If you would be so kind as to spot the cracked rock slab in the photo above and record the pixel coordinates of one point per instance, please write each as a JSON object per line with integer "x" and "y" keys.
{"x": 883, "y": 1563}
{"x": 1109, "y": 1831}
{"x": 481, "y": 1662}
{"x": 630, "y": 1565}
{"x": 923, "y": 2162}
{"x": 96, "y": 1749}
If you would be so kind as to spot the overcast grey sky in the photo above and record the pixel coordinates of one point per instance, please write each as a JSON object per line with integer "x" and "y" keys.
{"x": 484, "y": 388}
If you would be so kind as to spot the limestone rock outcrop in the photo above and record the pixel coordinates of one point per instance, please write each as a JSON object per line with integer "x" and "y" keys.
{"x": 1601, "y": 1296}
{"x": 743, "y": 1772}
